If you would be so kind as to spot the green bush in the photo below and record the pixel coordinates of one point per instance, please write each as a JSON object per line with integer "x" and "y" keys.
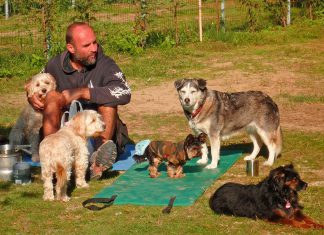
{"x": 5, "y": 73}
{"x": 126, "y": 42}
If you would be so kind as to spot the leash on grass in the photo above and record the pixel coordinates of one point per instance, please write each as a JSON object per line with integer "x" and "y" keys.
{"x": 107, "y": 202}
{"x": 167, "y": 209}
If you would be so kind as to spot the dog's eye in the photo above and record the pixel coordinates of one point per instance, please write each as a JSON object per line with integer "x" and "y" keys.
{"x": 47, "y": 82}
{"x": 183, "y": 92}
{"x": 37, "y": 84}
{"x": 193, "y": 92}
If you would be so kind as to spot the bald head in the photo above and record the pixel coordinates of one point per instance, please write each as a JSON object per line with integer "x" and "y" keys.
{"x": 75, "y": 27}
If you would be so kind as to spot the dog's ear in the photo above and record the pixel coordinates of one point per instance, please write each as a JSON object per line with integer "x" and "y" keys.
{"x": 202, "y": 137}
{"x": 179, "y": 83}
{"x": 277, "y": 176}
{"x": 202, "y": 84}
{"x": 290, "y": 166}
{"x": 189, "y": 139}
{"x": 77, "y": 123}
{"x": 29, "y": 87}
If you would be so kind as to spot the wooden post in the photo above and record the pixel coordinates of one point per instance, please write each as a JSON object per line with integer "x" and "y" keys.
{"x": 7, "y": 9}
{"x": 217, "y": 16}
{"x": 175, "y": 16}
{"x": 222, "y": 21}
{"x": 288, "y": 12}
{"x": 200, "y": 20}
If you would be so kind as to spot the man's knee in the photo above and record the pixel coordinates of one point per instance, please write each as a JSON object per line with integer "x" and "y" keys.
{"x": 54, "y": 102}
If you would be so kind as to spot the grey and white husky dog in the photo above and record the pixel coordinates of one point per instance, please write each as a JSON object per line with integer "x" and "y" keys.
{"x": 220, "y": 115}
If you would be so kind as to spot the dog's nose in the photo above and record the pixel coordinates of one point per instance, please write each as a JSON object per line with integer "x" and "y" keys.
{"x": 187, "y": 100}
{"x": 44, "y": 90}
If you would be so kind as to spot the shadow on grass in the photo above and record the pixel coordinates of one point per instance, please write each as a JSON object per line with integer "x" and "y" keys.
{"x": 4, "y": 133}
{"x": 5, "y": 186}
{"x": 30, "y": 195}
{"x": 246, "y": 148}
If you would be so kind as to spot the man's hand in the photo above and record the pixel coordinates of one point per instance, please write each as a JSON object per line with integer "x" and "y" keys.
{"x": 35, "y": 102}
{"x": 76, "y": 94}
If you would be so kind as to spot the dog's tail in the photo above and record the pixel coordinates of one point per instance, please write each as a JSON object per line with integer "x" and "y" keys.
{"x": 61, "y": 177}
{"x": 278, "y": 141}
{"x": 139, "y": 158}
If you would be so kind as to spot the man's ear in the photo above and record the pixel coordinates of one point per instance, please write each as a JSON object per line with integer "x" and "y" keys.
{"x": 70, "y": 48}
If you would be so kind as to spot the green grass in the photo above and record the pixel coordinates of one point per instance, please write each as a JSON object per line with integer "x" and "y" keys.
{"x": 23, "y": 211}
{"x": 303, "y": 98}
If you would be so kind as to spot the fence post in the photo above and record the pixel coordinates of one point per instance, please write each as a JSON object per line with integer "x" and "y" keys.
{"x": 222, "y": 21}
{"x": 175, "y": 16}
{"x": 7, "y": 9}
{"x": 288, "y": 12}
{"x": 200, "y": 20}
{"x": 217, "y": 16}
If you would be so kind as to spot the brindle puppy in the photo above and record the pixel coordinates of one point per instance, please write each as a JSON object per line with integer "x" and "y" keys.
{"x": 176, "y": 155}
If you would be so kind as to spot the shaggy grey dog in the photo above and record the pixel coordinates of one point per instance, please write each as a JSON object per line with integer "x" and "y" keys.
{"x": 220, "y": 115}
{"x": 30, "y": 121}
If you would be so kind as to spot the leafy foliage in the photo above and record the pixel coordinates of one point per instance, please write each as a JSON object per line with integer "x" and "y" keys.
{"x": 254, "y": 8}
{"x": 278, "y": 10}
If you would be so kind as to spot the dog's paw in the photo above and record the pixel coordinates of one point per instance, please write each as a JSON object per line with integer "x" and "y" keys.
{"x": 211, "y": 166}
{"x": 82, "y": 185}
{"x": 181, "y": 175}
{"x": 65, "y": 198}
{"x": 268, "y": 163}
{"x": 249, "y": 158}
{"x": 155, "y": 175}
{"x": 202, "y": 161}
{"x": 48, "y": 197}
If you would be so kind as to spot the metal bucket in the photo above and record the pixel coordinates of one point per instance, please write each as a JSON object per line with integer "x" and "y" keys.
{"x": 9, "y": 156}
{"x": 252, "y": 167}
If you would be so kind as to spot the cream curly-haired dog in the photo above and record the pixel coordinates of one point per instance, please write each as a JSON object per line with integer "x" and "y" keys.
{"x": 26, "y": 129}
{"x": 67, "y": 148}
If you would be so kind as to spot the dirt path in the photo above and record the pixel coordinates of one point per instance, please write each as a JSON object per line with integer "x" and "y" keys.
{"x": 294, "y": 116}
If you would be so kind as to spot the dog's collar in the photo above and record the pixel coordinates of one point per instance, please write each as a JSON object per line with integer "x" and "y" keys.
{"x": 196, "y": 112}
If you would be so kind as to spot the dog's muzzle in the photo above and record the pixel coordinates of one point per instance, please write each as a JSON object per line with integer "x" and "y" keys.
{"x": 302, "y": 186}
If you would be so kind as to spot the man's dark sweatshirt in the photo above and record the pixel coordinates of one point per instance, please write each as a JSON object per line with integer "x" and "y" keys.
{"x": 105, "y": 80}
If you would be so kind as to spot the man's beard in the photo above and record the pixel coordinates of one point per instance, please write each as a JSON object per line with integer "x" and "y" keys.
{"x": 85, "y": 61}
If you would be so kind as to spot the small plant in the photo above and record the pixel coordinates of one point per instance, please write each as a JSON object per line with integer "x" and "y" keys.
{"x": 141, "y": 18}
{"x": 37, "y": 61}
{"x": 125, "y": 42}
{"x": 5, "y": 73}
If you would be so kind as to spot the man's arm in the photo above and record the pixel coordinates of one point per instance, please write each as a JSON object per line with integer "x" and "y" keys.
{"x": 75, "y": 94}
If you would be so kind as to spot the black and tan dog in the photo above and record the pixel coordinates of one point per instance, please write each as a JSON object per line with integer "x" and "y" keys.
{"x": 176, "y": 155}
{"x": 274, "y": 199}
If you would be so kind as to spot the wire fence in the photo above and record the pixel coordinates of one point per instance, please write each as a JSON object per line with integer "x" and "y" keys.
{"x": 32, "y": 29}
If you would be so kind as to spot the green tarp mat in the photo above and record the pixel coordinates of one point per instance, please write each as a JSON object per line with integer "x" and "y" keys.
{"x": 137, "y": 188}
